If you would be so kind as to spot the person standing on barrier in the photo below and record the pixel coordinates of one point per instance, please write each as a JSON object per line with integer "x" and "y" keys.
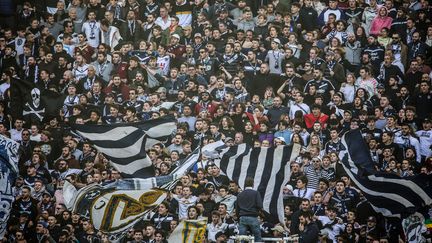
{"x": 249, "y": 203}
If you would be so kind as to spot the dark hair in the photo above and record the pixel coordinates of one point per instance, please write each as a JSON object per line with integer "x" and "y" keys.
{"x": 249, "y": 182}
{"x": 305, "y": 214}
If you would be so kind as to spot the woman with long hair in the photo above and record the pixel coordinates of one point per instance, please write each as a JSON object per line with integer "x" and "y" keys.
{"x": 226, "y": 127}
{"x": 265, "y": 133}
{"x": 314, "y": 141}
{"x": 349, "y": 235}
{"x": 241, "y": 116}
{"x": 361, "y": 36}
{"x": 349, "y": 88}
{"x": 268, "y": 97}
{"x": 219, "y": 114}
{"x": 259, "y": 117}
{"x": 193, "y": 213}
{"x": 296, "y": 139}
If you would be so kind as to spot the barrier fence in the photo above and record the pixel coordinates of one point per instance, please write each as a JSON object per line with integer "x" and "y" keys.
{"x": 251, "y": 239}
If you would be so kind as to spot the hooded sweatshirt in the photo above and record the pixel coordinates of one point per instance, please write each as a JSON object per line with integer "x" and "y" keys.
{"x": 380, "y": 22}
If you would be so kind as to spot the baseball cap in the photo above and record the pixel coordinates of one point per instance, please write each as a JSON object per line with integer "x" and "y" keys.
{"x": 371, "y": 219}
{"x": 228, "y": 139}
{"x": 161, "y": 90}
{"x": 278, "y": 228}
{"x": 277, "y": 41}
{"x": 282, "y": 139}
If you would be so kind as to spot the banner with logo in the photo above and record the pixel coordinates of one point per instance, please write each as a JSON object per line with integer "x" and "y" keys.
{"x": 112, "y": 210}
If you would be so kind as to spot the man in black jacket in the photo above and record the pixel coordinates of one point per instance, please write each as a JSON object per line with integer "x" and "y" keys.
{"x": 249, "y": 203}
{"x": 308, "y": 16}
{"x": 263, "y": 79}
{"x": 308, "y": 229}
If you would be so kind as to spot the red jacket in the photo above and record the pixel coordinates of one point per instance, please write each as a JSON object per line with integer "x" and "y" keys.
{"x": 124, "y": 89}
{"x": 310, "y": 119}
{"x": 210, "y": 107}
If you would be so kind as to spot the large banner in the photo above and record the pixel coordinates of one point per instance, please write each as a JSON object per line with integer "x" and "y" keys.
{"x": 189, "y": 231}
{"x": 8, "y": 172}
{"x": 113, "y": 210}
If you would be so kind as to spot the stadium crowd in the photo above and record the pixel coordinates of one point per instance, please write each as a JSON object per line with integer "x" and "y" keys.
{"x": 265, "y": 73}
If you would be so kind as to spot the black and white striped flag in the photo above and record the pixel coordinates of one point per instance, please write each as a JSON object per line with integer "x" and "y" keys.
{"x": 125, "y": 144}
{"x": 269, "y": 167}
{"x": 389, "y": 194}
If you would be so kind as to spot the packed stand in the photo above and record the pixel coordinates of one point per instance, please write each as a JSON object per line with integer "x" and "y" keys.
{"x": 265, "y": 73}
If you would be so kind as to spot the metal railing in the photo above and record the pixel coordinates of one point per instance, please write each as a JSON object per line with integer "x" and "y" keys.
{"x": 251, "y": 239}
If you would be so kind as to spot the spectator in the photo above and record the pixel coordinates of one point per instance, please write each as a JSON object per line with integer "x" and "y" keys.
{"x": 248, "y": 210}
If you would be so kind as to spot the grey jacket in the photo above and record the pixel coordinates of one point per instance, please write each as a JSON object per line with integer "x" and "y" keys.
{"x": 103, "y": 70}
{"x": 353, "y": 52}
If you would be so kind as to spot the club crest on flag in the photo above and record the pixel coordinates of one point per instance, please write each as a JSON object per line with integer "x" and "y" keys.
{"x": 112, "y": 210}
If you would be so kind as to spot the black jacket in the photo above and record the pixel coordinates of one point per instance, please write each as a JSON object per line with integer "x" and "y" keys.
{"x": 261, "y": 81}
{"x": 249, "y": 203}
{"x": 308, "y": 18}
{"x": 310, "y": 233}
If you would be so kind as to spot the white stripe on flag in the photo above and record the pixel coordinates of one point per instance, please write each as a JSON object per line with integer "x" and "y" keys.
{"x": 244, "y": 168}
{"x": 133, "y": 166}
{"x": 277, "y": 161}
{"x": 260, "y": 167}
{"x": 384, "y": 211}
{"x": 123, "y": 152}
{"x": 210, "y": 150}
{"x": 287, "y": 176}
{"x": 232, "y": 162}
{"x": 160, "y": 130}
{"x": 113, "y": 134}
{"x": 295, "y": 151}
{"x": 150, "y": 142}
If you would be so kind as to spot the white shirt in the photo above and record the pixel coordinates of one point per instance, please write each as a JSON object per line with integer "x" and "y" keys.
{"x": 92, "y": 31}
{"x": 36, "y": 138}
{"x": 294, "y": 107}
{"x": 80, "y": 71}
{"x": 184, "y": 204}
{"x": 164, "y": 64}
{"x": 412, "y": 141}
{"x": 336, "y": 229}
{"x": 304, "y": 193}
{"x": 162, "y": 23}
{"x": 425, "y": 138}
{"x": 349, "y": 92}
{"x": 16, "y": 135}
{"x": 213, "y": 229}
